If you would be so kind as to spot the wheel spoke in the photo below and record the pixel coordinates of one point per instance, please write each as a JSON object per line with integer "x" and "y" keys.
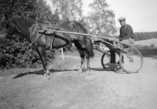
{"x": 132, "y": 60}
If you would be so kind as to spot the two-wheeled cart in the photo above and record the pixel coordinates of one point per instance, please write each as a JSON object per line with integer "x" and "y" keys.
{"x": 128, "y": 57}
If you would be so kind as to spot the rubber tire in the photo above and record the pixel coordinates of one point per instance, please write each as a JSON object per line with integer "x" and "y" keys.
{"x": 135, "y": 50}
{"x": 105, "y": 63}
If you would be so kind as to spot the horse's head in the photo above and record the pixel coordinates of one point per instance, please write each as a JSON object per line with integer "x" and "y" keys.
{"x": 6, "y": 27}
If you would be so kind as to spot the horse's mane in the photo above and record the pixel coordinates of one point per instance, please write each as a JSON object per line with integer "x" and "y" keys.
{"x": 26, "y": 21}
{"x": 21, "y": 24}
{"x": 79, "y": 26}
{"x": 74, "y": 26}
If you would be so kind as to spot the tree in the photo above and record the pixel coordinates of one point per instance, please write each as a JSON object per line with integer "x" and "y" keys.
{"x": 102, "y": 19}
{"x": 11, "y": 7}
{"x": 66, "y": 9}
{"x": 15, "y": 52}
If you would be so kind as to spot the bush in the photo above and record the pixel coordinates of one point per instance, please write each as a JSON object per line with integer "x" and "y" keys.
{"x": 18, "y": 53}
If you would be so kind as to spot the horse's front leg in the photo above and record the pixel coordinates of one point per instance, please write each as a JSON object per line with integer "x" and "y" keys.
{"x": 41, "y": 53}
{"x": 47, "y": 71}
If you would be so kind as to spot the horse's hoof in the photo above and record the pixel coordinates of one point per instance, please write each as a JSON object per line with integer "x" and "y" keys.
{"x": 88, "y": 69}
{"x": 47, "y": 74}
{"x": 85, "y": 70}
{"x": 119, "y": 71}
{"x": 80, "y": 70}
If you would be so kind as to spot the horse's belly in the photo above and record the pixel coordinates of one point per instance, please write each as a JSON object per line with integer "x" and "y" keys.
{"x": 58, "y": 43}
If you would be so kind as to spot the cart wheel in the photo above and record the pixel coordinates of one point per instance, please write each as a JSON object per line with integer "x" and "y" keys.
{"x": 131, "y": 60}
{"x": 105, "y": 61}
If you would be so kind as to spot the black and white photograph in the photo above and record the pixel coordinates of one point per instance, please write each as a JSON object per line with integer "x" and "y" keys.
{"x": 78, "y": 54}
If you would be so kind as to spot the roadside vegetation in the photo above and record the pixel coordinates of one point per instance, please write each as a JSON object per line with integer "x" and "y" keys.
{"x": 16, "y": 52}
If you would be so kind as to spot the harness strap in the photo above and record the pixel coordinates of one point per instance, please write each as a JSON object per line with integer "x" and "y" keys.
{"x": 52, "y": 42}
{"x": 48, "y": 41}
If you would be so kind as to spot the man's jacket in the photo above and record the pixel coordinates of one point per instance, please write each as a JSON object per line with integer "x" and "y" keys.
{"x": 126, "y": 32}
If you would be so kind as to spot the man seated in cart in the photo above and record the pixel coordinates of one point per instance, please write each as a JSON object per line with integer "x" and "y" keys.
{"x": 126, "y": 32}
{"x": 126, "y": 36}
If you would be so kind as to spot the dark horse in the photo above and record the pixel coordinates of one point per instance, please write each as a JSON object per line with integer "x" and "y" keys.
{"x": 42, "y": 38}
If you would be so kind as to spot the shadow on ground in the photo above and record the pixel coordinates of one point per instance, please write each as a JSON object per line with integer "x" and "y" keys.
{"x": 100, "y": 69}
{"x": 41, "y": 72}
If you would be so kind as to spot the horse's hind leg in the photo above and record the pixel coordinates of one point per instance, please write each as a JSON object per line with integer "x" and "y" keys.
{"x": 88, "y": 63}
{"x": 47, "y": 71}
{"x": 82, "y": 67}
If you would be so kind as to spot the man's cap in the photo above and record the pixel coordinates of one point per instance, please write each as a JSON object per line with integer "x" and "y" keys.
{"x": 122, "y": 19}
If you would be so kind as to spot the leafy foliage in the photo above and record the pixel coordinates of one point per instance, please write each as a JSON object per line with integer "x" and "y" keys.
{"x": 66, "y": 9}
{"x": 102, "y": 19}
{"x": 16, "y": 52}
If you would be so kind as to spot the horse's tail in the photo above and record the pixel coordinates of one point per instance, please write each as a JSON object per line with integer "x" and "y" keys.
{"x": 84, "y": 48}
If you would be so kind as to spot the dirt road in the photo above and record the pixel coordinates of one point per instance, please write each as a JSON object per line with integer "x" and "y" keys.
{"x": 68, "y": 88}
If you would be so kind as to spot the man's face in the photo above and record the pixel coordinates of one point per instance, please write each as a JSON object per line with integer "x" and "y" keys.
{"x": 122, "y": 23}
